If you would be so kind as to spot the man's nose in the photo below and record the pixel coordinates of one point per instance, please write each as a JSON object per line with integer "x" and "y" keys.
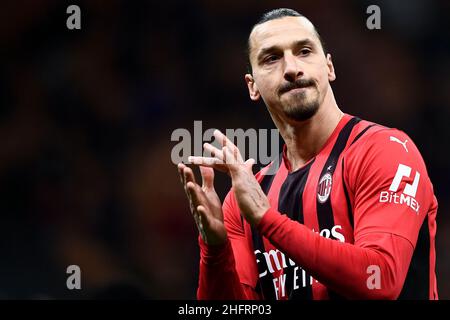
{"x": 293, "y": 68}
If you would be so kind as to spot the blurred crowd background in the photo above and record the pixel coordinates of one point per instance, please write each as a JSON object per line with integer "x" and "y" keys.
{"x": 86, "y": 118}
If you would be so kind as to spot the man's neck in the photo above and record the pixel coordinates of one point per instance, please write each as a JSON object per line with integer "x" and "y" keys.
{"x": 305, "y": 139}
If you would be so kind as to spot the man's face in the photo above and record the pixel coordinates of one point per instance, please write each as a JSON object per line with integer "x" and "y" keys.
{"x": 290, "y": 70}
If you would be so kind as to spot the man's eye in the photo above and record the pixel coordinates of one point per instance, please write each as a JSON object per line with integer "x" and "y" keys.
{"x": 271, "y": 58}
{"x": 305, "y": 51}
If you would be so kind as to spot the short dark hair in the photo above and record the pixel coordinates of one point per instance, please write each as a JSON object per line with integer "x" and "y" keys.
{"x": 272, "y": 15}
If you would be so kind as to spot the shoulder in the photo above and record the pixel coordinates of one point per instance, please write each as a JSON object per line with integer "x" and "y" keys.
{"x": 375, "y": 142}
{"x": 380, "y": 152}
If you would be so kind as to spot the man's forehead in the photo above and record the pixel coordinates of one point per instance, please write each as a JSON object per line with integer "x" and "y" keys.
{"x": 267, "y": 33}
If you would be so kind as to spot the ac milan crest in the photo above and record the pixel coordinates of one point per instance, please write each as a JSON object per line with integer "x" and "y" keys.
{"x": 324, "y": 187}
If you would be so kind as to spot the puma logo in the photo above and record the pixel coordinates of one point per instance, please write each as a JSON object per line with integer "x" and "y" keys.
{"x": 402, "y": 143}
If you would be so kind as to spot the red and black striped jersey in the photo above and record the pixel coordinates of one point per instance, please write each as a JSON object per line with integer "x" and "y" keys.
{"x": 356, "y": 221}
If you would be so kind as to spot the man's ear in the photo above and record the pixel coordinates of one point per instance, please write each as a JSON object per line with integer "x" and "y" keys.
{"x": 331, "y": 72}
{"x": 252, "y": 87}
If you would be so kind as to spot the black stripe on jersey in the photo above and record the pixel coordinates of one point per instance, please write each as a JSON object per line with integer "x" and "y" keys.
{"x": 290, "y": 198}
{"x": 258, "y": 244}
{"x": 417, "y": 282}
{"x": 290, "y": 202}
{"x": 347, "y": 197}
{"x": 324, "y": 210}
{"x": 362, "y": 132}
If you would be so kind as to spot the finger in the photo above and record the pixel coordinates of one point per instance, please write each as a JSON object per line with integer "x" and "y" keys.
{"x": 224, "y": 141}
{"x": 236, "y": 154}
{"x": 207, "y": 177}
{"x": 204, "y": 161}
{"x": 215, "y": 152}
{"x": 250, "y": 163}
{"x": 232, "y": 156}
{"x": 196, "y": 193}
{"x": 189, "y": 178}
{"x": 181, "y": 167}
{"x": 188, "y": 175}
{"x": 203, "y": 221}
{"x": 204, "y": 216}
{"x": 198, "y": 198}
{"x": 214, "y": 163}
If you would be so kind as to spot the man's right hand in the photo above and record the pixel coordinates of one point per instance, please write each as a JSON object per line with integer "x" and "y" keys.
{"x": 205, "y": 204}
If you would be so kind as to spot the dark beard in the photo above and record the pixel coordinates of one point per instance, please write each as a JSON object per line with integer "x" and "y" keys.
{"x": 302, "y": 111}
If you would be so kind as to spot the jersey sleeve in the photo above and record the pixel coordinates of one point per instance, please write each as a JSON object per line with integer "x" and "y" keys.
{"x": 390, "y": 184}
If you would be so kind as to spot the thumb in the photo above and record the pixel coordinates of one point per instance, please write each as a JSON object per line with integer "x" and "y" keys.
{"x": 249, "y": 163}
{"x": 207, "y": 177}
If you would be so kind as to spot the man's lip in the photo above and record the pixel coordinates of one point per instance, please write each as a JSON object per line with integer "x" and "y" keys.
{"x": 298, "y": 88}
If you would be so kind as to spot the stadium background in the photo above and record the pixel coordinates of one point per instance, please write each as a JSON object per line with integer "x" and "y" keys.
{"x": 86, "y": 119}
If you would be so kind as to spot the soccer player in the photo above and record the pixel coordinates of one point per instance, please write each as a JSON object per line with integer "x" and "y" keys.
{"x": 350, "y": 212}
